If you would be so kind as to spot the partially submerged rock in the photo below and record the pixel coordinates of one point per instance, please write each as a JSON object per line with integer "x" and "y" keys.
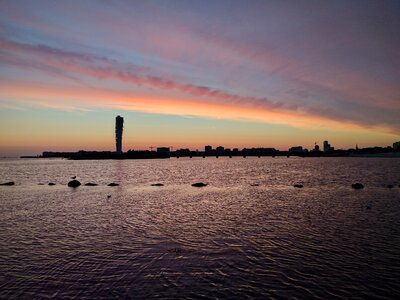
{"x": 390, "y": 186}
{"x": 157, "y": 184}
{"x": 91, "y": 184}
{"x": 8, "y": 183}
{"x": 299, "y": 186}
{"x": 113, "y": 184}
{"x": 199, "y": 184}
{"x": 74, "y": 183}
{"x": 357, "y": 186}
{"x": 51, "y": 183}
{"x": 254, "y": 184}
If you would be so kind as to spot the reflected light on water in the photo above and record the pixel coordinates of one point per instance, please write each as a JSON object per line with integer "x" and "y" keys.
{"x": 229, "y": 239}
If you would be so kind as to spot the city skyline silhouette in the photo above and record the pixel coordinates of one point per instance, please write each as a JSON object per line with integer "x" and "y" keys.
{"x": 167, "y": 152}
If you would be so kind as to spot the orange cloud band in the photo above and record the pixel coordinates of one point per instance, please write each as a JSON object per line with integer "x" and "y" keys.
{"x": 84, "y": 98}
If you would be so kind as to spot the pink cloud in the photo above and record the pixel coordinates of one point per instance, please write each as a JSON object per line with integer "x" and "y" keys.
{"x": 104, "y": 68}
{"x": 100, "y": 67}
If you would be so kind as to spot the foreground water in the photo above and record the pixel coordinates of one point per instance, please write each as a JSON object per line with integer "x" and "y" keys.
{"x": 227, "y": 240}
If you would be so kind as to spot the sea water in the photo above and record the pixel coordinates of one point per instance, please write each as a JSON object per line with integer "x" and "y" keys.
{"x": 248, "y": 234}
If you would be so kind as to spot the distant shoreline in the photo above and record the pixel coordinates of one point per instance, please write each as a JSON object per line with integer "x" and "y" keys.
{"x": 155, "y": 155}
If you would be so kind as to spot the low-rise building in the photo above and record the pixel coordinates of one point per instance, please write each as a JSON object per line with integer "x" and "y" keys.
{"x": 164, "y": 150}
{"x": 220, "y": 149}
{"x": 296, "y": 149}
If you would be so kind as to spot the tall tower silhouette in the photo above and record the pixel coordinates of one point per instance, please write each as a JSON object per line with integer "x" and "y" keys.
{"x": 119, "y": 126}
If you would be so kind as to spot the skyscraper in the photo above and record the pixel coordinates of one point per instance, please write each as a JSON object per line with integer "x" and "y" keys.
{"x": 119, "y": 126}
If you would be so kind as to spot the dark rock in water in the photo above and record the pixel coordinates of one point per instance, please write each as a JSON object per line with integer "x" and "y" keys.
{"x": 357, "y": 186}
{"x": 390, "y": 186}
{"x": 157, "y": 184}
{"x": 40, "y": 183}
{"x": 51, "y": 183}
{"x": 74, "y": 183}
{"x": 298, "y": 186}
{"x": 91, "y": 184}
{"x": 254, "y": 184}
{"x": 108, "y": 196}
{"x": 113, "y": 184}
{"x": 8, "y": 183}
{"x": 199, "y": 184}
{"x": 368, "y": 206}
{"x": 73, "y": 177}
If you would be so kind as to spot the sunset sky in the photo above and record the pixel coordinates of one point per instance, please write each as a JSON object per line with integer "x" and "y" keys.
{"x": 191, "y": 73}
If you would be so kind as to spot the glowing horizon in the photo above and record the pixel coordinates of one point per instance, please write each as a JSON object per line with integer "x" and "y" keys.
{"x": 284, "y": 77}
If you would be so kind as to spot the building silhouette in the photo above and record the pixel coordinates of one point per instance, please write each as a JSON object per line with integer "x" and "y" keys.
{"x": 328, "y": 147}
{"x": 296, "y": 149}
{"x": 163, "y": 150}
{"x": 119, "y": 126}
{"x": 220, "y": 149}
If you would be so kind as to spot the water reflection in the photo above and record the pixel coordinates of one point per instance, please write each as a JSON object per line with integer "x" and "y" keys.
{"x": 229, "y": 239}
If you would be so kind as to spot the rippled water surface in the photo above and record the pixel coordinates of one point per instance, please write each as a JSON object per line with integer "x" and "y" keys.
{"x": 230, "y": 239}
